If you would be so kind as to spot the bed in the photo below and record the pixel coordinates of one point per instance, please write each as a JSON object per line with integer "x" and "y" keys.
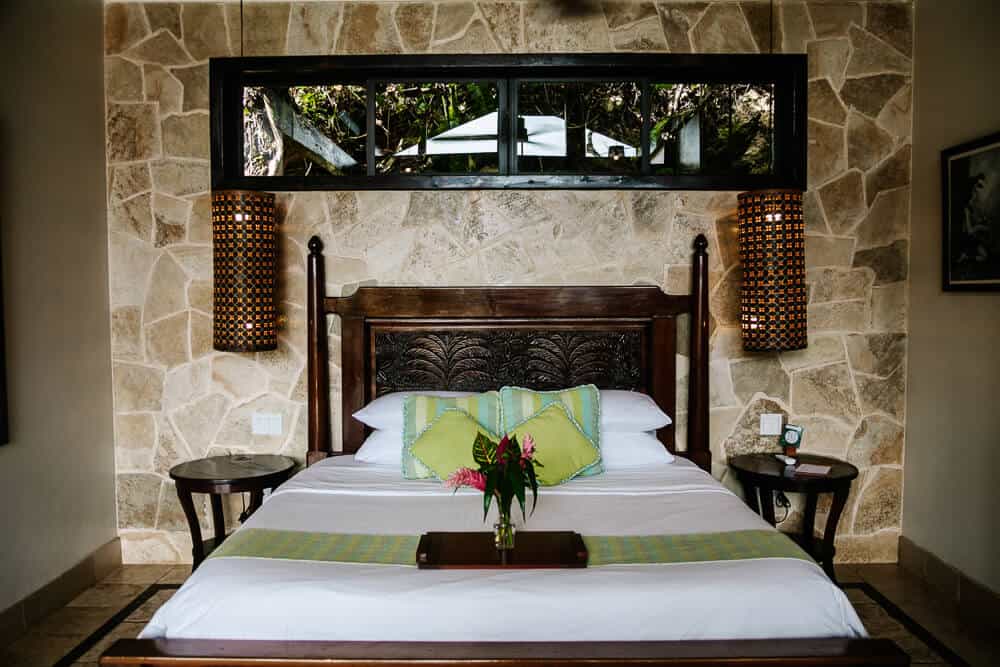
{"x": 240, "y": 610}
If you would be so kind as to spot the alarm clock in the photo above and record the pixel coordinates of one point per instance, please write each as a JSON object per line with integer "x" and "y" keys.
{"x": 791, "y": 438}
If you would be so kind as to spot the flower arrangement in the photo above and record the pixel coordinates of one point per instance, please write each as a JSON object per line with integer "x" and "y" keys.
{"x": 506, "y": 469}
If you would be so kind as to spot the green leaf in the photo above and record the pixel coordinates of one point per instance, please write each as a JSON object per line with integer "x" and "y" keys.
{"x": 517, "y": 482}
{"x": 506, "y": 492}
{"x": 491, "y": 485}
{"x": 533, "y": 481}
{"x": 513, "y": 449}
{"x": 484, "y": 450}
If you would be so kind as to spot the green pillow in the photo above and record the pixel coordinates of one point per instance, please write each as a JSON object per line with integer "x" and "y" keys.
{"x": 560, "y": 446}
{"x": 446, "y": 445}
{"x": 583, "y": 404}
{"x": 420, "y": 412}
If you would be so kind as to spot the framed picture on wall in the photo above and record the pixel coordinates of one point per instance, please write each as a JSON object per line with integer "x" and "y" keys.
{"x": 970, "y": 189}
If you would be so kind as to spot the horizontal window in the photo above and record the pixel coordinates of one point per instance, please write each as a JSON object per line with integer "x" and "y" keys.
{"x": 523, "y": 121}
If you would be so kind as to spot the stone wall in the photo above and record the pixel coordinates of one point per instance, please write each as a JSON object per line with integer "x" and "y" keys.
{"x": 175, "y": 398}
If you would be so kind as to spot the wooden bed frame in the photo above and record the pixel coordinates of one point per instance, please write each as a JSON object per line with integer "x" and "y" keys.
{"x": 413, "y": 338}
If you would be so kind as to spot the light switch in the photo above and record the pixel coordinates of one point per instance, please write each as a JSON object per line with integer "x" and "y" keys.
{"x": 770, "y": 423}
{"x": 266, "y": 423}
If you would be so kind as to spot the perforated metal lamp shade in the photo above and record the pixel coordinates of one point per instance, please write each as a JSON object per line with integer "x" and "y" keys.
{"x": 772, "y": 250}
{"x": 244, "y": 258}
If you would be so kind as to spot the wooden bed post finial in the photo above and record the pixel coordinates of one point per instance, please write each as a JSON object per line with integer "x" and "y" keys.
{"x": 698, "y": 444}
{"x": 315, "y": 246}
{"x": 318, "y": 385}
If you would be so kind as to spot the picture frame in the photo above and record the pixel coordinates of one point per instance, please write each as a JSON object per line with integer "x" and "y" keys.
{"x": 970, "y": 202}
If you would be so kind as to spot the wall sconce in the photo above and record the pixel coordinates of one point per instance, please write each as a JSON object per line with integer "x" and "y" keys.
{"x": 244, "y": 258}
{"x": 772, "y": 250}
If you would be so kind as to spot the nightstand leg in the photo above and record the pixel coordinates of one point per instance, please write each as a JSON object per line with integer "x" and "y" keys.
{"x": 256, "y": 500}
{"x": 218, "y": 519}
{"x": 197, "y": 546}
{"x": 830, "y": 532}
{"x": 809, "y": 519}
{"x": 750, "y": 493}
{"x": 767, "y": 505}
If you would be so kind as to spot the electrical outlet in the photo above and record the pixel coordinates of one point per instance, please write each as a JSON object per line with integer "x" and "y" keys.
{"x": 266, "y": 423}
{"x": 770, "y": 423}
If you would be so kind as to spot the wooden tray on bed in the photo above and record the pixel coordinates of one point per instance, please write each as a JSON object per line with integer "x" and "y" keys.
{"x": 476, "y": 551}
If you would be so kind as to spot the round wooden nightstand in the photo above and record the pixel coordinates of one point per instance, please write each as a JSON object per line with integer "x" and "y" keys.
{"x": 764, "y": 474}
{"x": 219, "y": 475}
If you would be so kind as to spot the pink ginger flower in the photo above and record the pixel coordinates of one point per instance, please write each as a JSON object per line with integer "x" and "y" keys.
{"x": 528, "y": 448}
{"x": 466, "y": 477}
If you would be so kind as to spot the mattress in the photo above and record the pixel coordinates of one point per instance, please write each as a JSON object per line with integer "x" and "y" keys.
{"x": 278, "y": 599}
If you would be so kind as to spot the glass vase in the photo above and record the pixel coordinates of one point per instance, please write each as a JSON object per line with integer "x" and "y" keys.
{"x": 503, "y": 533}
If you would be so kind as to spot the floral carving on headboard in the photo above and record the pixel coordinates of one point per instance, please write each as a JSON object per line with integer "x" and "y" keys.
{"x": 482, "y": 360}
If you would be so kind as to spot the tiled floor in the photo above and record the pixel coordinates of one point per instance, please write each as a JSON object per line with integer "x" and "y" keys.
{"x": 54, "y": 636}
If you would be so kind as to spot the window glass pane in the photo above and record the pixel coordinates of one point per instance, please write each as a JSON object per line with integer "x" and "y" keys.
{"x": 579, "y": 127}
{"x": 712, "y": 129}
{"x": 304, "y": 130}
{"x": 437, "y": 128}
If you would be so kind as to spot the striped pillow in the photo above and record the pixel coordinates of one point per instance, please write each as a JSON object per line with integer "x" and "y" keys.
{"x": 420, "y": 412}
{"x": 583, "y": 403}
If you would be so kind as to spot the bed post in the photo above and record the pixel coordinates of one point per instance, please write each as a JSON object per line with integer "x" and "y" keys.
{"x": 697, "y": 446}
{"x": 318, "y": 385}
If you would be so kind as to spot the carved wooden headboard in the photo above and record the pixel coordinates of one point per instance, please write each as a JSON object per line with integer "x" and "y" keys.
{"x": 480, "y": 338}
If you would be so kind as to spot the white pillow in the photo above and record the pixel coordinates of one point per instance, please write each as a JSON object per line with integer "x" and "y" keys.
{"x": 630, "y": 411}
{"x": 621, "y": 411}
{"x": 386, "y": 412}
{"x": 618, "y": 449}
{"x": 632, "y": 450}
{"x": 382, "y": 447}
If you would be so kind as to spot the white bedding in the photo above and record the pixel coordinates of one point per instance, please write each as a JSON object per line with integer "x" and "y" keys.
{"x": 255, "y": 598}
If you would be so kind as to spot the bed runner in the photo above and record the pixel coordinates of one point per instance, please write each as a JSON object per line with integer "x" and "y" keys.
{"x": 603, "y": 550}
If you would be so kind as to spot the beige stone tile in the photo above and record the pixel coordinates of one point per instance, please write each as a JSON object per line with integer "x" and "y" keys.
{"x": 313, "y": 27}
{"x": 722, "y": 29}
{"x": 877, "y": 440}
{"x": 132, "y": 132}
{"x": 869, "y": 94}
{"x": 194, "y": 80}
{"x": 140, "y": 546}
{"x": 115, "y": 596}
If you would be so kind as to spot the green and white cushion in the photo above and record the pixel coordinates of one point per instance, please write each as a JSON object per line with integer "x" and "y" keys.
{"x": 439, "y": 448}
{"x": 561, "y": 448}
{"x": 421, "y": 412}
{"x": 583, "y": 405}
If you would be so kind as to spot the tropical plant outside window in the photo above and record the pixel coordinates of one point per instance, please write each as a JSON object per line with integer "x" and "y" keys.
{"x": 579, "y": 127}
{"x": 711, "y": 128}
{"x": 304, "y": 130}
{"x": 438, "y": 128}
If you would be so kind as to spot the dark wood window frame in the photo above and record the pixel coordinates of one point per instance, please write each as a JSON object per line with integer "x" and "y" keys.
{"x": 786, "y": 72}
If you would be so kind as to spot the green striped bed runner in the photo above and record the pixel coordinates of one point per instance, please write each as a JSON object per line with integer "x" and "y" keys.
{"x": 603, "y": 550}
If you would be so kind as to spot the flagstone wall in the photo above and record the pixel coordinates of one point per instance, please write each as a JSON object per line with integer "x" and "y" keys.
{"x": 175, "y": 398}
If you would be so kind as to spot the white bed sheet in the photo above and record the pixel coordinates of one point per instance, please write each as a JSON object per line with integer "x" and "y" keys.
{"x": 253, "y": 598}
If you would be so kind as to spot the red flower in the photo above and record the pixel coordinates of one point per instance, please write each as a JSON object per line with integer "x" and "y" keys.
{"x": 502, "y": 448}
{"x": 466, "y": 477}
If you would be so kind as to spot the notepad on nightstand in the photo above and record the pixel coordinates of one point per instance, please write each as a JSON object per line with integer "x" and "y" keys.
{"x": 812, "y": 470}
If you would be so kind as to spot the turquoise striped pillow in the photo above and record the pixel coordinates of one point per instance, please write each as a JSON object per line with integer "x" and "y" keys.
{"x": 421, "y": 412}
{"x": 583, "y": 404}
